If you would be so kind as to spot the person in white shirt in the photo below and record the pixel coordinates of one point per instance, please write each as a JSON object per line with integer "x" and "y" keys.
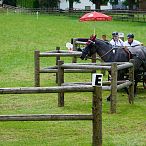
{"x": 116, "y": 41}
{"x": 131, "y": 42}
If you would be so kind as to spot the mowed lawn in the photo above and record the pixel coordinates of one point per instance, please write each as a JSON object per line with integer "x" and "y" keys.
{"x": 20, "y": 35}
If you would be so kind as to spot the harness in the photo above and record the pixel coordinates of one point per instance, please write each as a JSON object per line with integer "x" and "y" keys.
{"x": 107, "y": 52}
{"x": 125, "y": 49}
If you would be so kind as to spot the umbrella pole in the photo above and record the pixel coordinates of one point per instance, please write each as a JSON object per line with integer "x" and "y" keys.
{"x": 94, "y": 28}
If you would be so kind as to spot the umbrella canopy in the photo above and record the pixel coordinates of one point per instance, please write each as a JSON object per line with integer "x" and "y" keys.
{"x": 95, "y": 16}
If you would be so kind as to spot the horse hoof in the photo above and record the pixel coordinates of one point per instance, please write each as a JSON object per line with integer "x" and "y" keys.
{"x": 108, "y": 98}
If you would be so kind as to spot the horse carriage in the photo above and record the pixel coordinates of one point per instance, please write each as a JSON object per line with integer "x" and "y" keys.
{"x": 107, "y": 53}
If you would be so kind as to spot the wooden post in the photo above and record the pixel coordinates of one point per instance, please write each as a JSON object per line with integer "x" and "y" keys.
{"x": 131, "y": 87}
{"x": 94, "y": 61}
{"x": 94, "y": 58}
{"x": 103, "y": 71}
{"x": 114, "y": 74}
{"x": 60, "y": 81}
{"x": 74, "y": 59}
{"x": 37, "y": 68}
{"x": 97, "y": 116}
{"x": 57, "y": 58}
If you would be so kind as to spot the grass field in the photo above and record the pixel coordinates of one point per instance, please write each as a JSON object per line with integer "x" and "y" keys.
{"x": 20, "y": 35}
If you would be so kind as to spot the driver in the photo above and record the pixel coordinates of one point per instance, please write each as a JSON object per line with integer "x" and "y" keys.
{"x": 116, "y": 41}
{"x": 131, "y": 42}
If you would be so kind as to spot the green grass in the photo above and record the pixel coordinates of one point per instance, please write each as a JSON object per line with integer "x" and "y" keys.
{"x": 20, "y": 35}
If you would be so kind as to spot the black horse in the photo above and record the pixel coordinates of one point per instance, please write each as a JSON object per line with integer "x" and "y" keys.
{"x": 110, "y": 54}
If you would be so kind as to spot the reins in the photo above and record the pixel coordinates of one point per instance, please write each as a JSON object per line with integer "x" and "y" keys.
{"x": 127, "y": 51}
{"x": 106, "y": 53}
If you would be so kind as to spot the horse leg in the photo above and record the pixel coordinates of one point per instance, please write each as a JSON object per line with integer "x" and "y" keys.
{"x": 137, "y": 79}
{"x": 126, "y": 90}
{"x": 109, "y": 98}
{"x": 135, "y": 88}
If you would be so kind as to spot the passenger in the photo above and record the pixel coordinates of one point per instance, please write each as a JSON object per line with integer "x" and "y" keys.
{"x": 116, "y": 41}
{"x": 103, "y": 37}
{"x": 131, "y": 42}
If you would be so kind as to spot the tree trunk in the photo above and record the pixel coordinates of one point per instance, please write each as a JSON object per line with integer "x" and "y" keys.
{"x": 130, "y": 4}
{"x": 70, "y": 5}
{"x": 97, "y": 5}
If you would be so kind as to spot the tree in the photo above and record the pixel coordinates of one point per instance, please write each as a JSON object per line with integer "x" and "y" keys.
{"x": 131, "y": 4}
{"x": 37, "y": 3}
{"x": 25, "y": 3}
{"x": 10, "y": 2}
{"x": 113, "y": 2}
{"x": 48, "y": 3}
{"x": 71, "y": 3}
{"x": 98, "y": 3}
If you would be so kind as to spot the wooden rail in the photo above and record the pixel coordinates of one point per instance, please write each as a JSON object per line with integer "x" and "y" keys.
{"x": 32, "y": 90}
{"x": 120, "y": 15}
{"x": 96, "y": 115}
{"x": 60, "y": 68}
{"x": 46, "y": 117}
{"x": 114, "y": 84}
{"x": 53, "y": 69}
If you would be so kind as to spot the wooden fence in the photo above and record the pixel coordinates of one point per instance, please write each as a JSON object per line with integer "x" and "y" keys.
{"x": 122, "y": 15}
{"x": 54, "y": 69}
{"x": 60, "y": 69}
{"x": 114, "y": 83}
{"x": 96, "y": 115}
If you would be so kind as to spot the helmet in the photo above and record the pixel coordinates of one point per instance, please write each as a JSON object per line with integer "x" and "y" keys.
{"x": 130, "y": 35}
{"x": 115, "y": 34}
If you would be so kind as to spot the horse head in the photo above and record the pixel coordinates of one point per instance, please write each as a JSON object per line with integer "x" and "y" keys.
{"x": 93, "y": 46}
{"x": 89, "y": 49}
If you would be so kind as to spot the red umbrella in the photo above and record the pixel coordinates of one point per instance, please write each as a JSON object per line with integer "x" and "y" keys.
{"x": 95, "y": 16}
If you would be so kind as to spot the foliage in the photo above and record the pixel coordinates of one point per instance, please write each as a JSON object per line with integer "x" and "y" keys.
{"x": 71, "y": 3}
{"x": 113, "y": 2}
{"x": 131, "y": 3}
{"x": 77, "y": 1}
{"x": 33, "y": 3}
{"x": 48, "y": 3}
{"x": 102, "y": 2}
{"x": 10, "y": 2}
{"x": 26, "y": 3}
{"x": 98, "y": 3}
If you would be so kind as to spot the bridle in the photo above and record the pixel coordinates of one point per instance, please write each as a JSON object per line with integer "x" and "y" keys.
{"x": 90, "y": 41}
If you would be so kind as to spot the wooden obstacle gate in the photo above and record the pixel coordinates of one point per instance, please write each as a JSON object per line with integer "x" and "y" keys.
{"x": 54, "y": 69}
{"x": 112, "y": 85}
{"x": 96, "y": 115}
{"x": 85, "y": 68}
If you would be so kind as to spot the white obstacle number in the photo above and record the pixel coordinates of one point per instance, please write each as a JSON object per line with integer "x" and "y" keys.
{"x": 97, "y": 79}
